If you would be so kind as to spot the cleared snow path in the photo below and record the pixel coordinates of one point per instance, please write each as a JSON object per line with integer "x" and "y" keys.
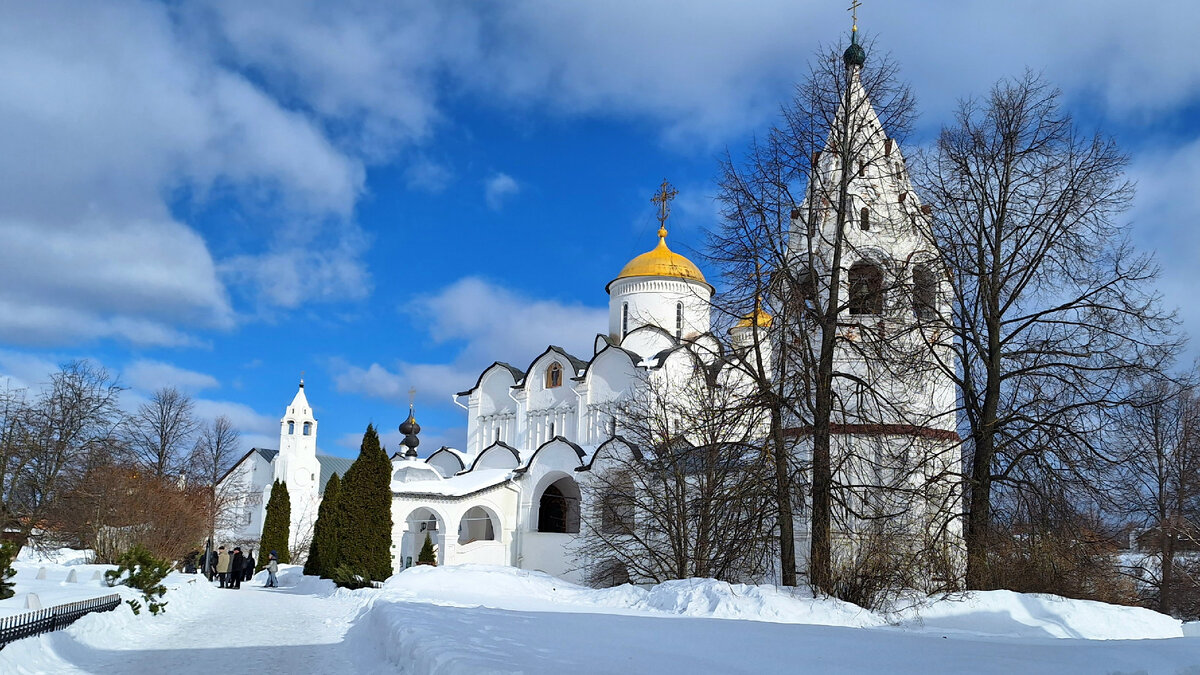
{"x": 253, "y": 630}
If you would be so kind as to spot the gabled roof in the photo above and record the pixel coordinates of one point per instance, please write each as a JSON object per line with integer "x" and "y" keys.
{"x": 634, "y": 358}
{"x": 517, "y": 375}
{"x": 498, "y": 444}
{"x": 576, "y": 364}
{"x": 266, "y": 453}
{"x": 578, "y": 453}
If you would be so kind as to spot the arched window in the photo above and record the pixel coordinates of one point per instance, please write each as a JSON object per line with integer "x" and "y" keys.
{"x": 924, "y": 292}
{"x": 476, "y": 525}
{"x": 624, "y": 319}
{"x": 558, "y": 508}
{"x": 308, "y": 428}
{"x": 554, "y": 375}
{"x": 866, "y": 289}
{"x": 864, "y": 219}
{"x": 612, "y": 426}
{"x": 678, "y": 321}
{"x": 291, "y": 427}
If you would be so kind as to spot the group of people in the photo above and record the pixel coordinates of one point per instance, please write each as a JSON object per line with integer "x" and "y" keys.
{"x": 232, "y": 567}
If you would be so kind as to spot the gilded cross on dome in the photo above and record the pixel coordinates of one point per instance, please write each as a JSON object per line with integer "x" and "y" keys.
{"x": 412, "y": 394}
{"x": 666, "y": 192}
{"x": 854, "y": 5}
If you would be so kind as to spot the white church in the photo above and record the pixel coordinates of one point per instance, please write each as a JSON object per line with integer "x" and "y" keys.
{"x": 516, "y": 494}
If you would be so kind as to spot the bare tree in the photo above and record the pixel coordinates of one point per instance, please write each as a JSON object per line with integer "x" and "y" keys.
{"x": 1052, "y": 307}
{"x": 821, "y": 252}
{"x": 1158, "y": 481}
{"x": 161, "y": 429}
{"x": 681, "y": 492}
{"x": 68, "y": 429}
{"x": 217, "y": 449}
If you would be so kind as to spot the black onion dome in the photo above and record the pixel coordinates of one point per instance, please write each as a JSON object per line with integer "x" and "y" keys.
{"x": 854, "y": 55}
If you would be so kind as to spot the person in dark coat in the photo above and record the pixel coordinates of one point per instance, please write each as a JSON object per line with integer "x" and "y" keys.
{"x": 248, "y": 572}
{"x": 212, "y": 564}
{"x": 235, "y": 568}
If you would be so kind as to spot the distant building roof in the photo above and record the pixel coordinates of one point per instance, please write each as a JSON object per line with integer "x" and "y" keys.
{"x": 331, "y": 465}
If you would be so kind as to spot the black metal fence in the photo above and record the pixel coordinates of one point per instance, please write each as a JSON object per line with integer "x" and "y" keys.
{"x": 52, "y": 618}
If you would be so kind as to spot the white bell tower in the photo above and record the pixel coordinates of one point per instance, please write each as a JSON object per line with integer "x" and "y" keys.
{"x": 297, "y": 463}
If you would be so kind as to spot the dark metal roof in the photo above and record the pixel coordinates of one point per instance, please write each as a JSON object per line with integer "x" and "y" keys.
{"x": 331, "y": 465}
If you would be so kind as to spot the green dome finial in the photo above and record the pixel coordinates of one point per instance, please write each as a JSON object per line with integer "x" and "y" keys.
{"x": 855, "y": 55}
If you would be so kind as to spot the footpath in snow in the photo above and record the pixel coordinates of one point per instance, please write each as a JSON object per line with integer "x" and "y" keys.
{"x": 478, "y": 619}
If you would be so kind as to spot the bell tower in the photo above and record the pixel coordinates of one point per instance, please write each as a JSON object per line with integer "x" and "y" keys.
{"x": 297, "y": 463}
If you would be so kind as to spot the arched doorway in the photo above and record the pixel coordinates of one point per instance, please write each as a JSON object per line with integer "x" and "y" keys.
{"x": 422, "y": 522}
{"x": 558, "y": 507}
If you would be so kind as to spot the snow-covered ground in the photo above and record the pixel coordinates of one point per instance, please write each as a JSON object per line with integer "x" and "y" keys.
{"x": 478, "y": 619}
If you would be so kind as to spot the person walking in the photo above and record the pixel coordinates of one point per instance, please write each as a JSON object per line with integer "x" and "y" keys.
{"x": 223, "y": 563}
{"x": 235, "y": 567}
{"x": 248, "y": 572}
{"x": 272, "y": 568}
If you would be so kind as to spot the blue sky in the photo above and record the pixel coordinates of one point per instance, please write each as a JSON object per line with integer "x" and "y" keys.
{"x": 218, "y": 195}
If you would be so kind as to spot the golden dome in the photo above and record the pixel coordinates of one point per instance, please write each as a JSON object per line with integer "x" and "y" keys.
{"x": 662, "y": 262}
{"x": 759, "y": 316}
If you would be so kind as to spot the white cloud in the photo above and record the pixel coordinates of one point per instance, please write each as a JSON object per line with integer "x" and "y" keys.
{"x": 498, "y": 188}
{"x": 426, "y": 175}
{"x": 488, "y": 323}
{"x": 1164, "y": 218}
{"x": 149, "y": 375}
{"x": 102, "y": 133}
{"x": 493, "y": 322}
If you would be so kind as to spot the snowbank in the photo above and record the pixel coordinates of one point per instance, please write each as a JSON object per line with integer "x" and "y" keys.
{"x": 515, "y": 589}
{"x": 988, "y": 613}
{"x": 1009, "y": 614}
{"x": 61, "y": 556}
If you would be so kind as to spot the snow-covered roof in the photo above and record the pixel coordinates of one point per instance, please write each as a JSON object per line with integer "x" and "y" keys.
{"x": 455, "y": 486}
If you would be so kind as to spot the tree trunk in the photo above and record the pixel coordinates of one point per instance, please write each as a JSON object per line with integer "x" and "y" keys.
{"x": 783, "y": 491}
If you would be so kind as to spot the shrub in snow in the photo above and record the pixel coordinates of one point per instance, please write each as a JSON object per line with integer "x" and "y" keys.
{"x": 346, "y": 577}
{"x": 8, "y": 553}
{"x": 141, "y": 570}
{"x": 427, "y": 556}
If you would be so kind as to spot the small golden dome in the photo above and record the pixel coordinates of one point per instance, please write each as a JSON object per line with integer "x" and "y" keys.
{"x": 759, "y": 316}
{"x": 662, "y": 262}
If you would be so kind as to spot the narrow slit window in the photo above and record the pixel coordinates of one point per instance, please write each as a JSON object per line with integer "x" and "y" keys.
{"x": 678, "y": 321}
{"x": 924, "y": 292}
{"x": 624, "y": 320}
{"x": 864, "y": 219}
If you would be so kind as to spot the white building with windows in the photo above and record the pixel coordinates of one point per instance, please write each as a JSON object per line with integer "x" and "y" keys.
{"x": 246, "y": 487}
{"x": 535, "y": 433}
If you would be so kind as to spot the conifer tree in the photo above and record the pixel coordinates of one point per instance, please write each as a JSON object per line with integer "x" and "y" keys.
{"x": 324, "y": 555}
{"x": 365, "y": 532}
{"x": 427, "y": 556}
{"x": 276, "y": 525}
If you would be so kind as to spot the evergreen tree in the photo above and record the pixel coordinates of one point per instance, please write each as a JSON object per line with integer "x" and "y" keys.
{"x": 365, "y": 531}
{"x": 427, "y": 556}
{"x": 276, "y": 526}
{"x": 323, "y": 554}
